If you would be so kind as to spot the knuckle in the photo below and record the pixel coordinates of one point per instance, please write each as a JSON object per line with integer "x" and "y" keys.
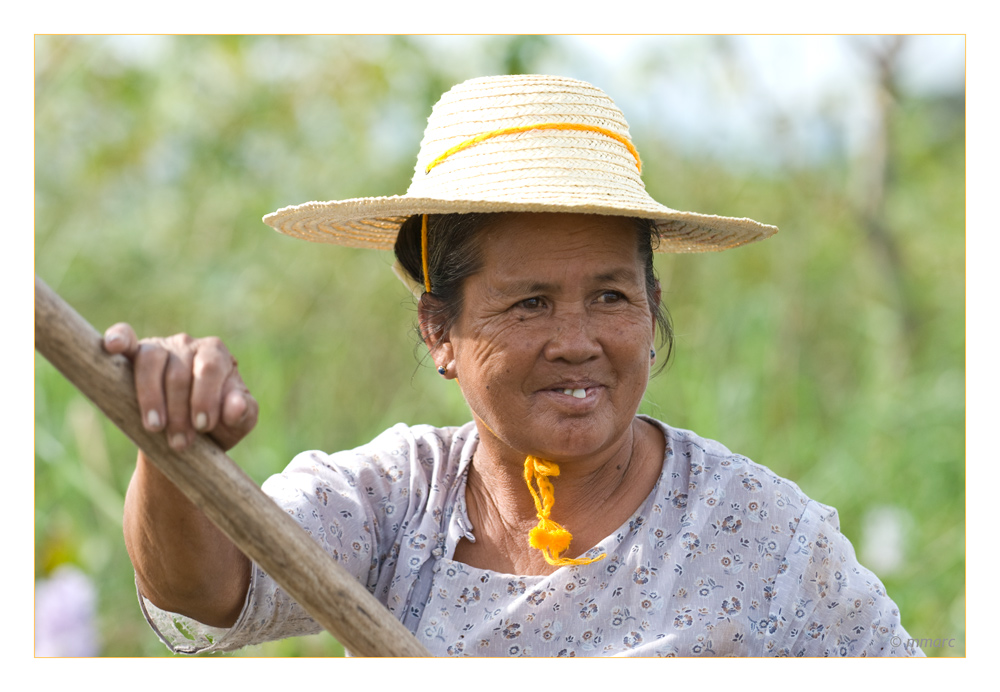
{"x": 148, "y": 346}
{"x": 149, "y": 355}
{"x": 214, "y": 342}
{"x": 234, "y": 383}
{"x": 179, "y": 342}
{"x": 152, "y": 346}
{"x": 206, "y": 366}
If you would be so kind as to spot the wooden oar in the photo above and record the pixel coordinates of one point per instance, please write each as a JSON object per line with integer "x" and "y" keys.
{"x": 230, "y": 498}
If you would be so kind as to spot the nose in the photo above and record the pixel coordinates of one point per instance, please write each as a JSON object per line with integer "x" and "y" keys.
{"x": 572, "y": 338}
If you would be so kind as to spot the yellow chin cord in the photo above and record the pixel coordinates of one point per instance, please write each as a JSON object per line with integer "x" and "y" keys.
{"x": 548, "y": 537}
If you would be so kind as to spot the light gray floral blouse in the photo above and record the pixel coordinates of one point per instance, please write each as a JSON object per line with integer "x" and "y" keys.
{"x": 724, "y": 558}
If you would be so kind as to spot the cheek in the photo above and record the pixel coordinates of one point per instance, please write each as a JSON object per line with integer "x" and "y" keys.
{"x": 633, "y": 332}
{"x": 482, "y": 371}
{"x": 479, "y": 362}
{"x": 629, "y": 351}
{"x": 489, "y": 349}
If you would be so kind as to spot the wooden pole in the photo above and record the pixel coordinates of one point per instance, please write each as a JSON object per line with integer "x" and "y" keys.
{"x": 230, "y": 498}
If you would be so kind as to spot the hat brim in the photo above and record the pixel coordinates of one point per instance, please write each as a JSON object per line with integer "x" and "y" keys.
{"x": 373, "y": 222}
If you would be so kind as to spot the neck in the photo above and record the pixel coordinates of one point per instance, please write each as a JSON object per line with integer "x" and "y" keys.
{"x": 583, "y": 482}
{"x": 594, "y": 494}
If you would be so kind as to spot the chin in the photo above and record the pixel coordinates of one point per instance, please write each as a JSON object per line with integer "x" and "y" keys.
{"x": 573, "y": 439}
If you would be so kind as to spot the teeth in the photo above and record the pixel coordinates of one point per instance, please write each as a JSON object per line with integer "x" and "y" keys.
{"x": 577, "y": 393}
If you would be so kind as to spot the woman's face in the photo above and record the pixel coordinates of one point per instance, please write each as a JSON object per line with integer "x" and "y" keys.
{"x": 552, "y": 347}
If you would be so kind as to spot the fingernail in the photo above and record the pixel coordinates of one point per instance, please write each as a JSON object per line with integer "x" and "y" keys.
{"x": 153, "y": 419}
{"x": 178, "y": 440}
{"x": 112, "y": 339}
{"x": 201, "y": 421}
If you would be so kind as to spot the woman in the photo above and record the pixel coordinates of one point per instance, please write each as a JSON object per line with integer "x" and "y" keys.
{"x": 527, "y": 236}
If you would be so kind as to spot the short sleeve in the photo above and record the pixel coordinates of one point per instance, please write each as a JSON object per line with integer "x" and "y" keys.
{"x": 350, "y": 503}
{"x": 826, "y": 603}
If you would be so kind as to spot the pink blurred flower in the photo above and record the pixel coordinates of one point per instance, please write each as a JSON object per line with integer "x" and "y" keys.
{"x": 65, "y": 614}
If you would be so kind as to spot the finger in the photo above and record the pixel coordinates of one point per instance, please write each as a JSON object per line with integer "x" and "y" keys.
{"x": 238, "y": 409}
{"x": 150, "y": 364}
{"x": 177, "y": 379}
{"x": 121, "y": 338}
{"x": 212, "y": 365}
{"x": 239, "y": 416}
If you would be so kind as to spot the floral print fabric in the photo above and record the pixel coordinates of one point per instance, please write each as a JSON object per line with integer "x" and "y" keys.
{"x": 724, "y": 558}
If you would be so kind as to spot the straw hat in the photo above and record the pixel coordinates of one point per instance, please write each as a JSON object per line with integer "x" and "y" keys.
{"x": 518, "y": 143}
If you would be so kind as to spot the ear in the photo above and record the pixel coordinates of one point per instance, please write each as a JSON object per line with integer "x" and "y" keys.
{"x": 434, "y": 334}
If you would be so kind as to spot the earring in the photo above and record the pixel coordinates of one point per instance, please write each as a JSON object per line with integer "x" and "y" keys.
{"x": 652, "y": 354}
{"x": 441, "y": 370}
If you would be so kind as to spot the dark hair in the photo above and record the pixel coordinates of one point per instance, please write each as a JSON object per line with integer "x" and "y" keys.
{"x": 454, "y": 255}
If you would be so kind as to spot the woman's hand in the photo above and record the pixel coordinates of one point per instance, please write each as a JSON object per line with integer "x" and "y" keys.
{"x": 185, "y": 386}
{"x": 183, "y": 563}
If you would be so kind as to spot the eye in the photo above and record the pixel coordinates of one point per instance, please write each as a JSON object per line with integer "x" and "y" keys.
{"x": 609, "y": 297}
{"x": 533, "y": 303}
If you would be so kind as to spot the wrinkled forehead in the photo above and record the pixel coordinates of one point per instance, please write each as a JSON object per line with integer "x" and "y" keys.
{"x": 558, "y": 237}
{"x": 545, "y": 250}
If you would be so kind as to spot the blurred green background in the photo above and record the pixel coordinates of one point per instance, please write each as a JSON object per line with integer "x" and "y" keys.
{"x": 832, "y": 353}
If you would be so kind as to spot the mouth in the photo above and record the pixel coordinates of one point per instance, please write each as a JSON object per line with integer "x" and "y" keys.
{"x": 580, "y": 390}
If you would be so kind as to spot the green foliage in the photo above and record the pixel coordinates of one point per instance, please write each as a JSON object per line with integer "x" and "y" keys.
{"x": 156, "y": 159}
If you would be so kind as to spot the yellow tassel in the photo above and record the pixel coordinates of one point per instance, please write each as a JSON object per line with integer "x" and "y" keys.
{"x": 548, "y": 537}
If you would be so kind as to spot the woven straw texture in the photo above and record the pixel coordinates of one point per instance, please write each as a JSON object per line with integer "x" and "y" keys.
{"x": 537, "y": 170}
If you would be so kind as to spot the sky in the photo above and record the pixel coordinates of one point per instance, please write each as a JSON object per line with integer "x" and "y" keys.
{"x": 722, "y": 96}
{"x": 747, "y": 100}
{"x": 820, "y": 85}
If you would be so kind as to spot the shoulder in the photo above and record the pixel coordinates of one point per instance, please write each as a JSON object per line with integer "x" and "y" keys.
{"x": 719, "y": 479}
{"x": 797, "y": 575}
{"x": 385, "y": 471}
{"x": 729, "y": 505}
{"x": 401, "y": 437}
{"x": 397, "y": 447}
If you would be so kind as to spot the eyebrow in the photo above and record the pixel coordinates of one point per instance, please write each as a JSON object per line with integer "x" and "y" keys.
{"x": 529, "y": 286}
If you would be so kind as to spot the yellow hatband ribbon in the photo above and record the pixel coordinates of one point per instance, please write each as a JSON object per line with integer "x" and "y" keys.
{"x": 541, "y": 126}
